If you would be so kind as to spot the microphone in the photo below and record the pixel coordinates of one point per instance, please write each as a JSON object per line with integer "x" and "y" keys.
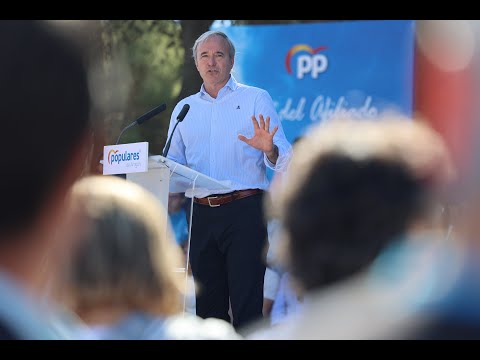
{"x": 143, "y": 118}
{"x": 180, "y": 118}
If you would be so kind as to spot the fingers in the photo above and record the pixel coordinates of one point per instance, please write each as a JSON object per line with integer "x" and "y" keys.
{"x": 274, "y": 130}
{"x": 262, "y": 122}
{"x": 244, "y": 139}
{"x": 255, "y": 123}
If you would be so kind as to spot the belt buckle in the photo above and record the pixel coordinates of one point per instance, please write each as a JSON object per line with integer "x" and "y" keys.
{"x": 209, "y": 203}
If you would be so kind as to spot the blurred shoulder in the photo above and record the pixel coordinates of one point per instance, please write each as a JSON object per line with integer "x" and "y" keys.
{"x": 192, "y": 327}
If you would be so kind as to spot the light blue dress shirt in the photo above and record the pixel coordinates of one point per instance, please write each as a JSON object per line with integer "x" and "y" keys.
{"x": 207, "y": 139}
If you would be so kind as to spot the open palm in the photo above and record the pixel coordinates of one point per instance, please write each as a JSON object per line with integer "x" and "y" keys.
{"x": 262, "y": 138}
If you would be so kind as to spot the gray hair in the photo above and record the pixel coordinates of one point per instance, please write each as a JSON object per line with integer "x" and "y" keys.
{"x": 126, "y": 254}
{"x": 207, "y": 35}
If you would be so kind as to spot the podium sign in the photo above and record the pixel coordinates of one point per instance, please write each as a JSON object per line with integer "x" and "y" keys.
{"x": 125, "y": 158}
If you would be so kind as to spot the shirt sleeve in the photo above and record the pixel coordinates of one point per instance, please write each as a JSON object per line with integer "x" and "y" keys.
{"x": 264, "y": 106}
{"x": 177, "y": 147}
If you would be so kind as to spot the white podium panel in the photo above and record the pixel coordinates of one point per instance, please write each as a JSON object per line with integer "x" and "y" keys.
{"x": 156, "y": 180}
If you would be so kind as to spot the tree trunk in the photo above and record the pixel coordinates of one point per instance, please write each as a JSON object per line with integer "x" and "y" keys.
{"x": 191, "y": 80}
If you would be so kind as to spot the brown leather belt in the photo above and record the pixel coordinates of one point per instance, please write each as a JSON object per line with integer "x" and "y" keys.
{"x": 222, "y": 199}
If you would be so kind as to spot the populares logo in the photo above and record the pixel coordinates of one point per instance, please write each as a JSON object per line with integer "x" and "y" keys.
{"x": 113, "y": 156}
{"x": 111, "y": 153}
{"x": 312, "y": 62}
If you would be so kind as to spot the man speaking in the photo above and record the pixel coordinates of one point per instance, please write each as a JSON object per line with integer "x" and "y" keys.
{"x": 231, "y": 133}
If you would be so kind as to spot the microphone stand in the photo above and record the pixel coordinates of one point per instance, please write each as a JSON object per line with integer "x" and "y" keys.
{"x": 143, "y": 118}
{"x": 167, "y": 147}
{"x": 128, "y": 127}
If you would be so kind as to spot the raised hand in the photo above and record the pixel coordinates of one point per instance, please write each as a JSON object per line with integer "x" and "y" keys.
{"x": 262, "y": 138}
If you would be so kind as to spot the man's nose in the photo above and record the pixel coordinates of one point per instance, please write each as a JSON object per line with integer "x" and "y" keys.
{"x": 211, "y": 61}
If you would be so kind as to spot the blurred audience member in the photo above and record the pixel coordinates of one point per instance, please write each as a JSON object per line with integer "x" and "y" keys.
{"x": 451, "y": 311}
{"x": 273, "y": 273}
{"x": 271, "y": 283}
{"x": 273, "y": 288}
{"x": 122, "y": 280}
{"x": 45, "y": 110}
{"x": 178, "y": 219}
{"x": 353, "y": 190}
{"x": 286, "y": 302}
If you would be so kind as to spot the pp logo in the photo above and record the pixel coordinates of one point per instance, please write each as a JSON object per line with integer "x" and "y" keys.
{"x": 311, "y": 63}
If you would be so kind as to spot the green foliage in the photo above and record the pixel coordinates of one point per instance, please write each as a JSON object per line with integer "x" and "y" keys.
{"x": 154, "y": 53}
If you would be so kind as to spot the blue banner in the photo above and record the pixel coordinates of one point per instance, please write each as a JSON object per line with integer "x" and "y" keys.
{"x": 316, "y": 71}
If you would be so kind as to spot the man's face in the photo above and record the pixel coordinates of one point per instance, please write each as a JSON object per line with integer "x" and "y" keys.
{"x": 213, "y": 61}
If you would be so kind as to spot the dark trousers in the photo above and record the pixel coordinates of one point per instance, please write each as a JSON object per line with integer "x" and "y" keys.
{"x": 227, "y": 250}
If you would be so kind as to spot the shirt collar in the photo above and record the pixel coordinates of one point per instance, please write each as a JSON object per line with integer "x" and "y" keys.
{"x": 231, "y": 83}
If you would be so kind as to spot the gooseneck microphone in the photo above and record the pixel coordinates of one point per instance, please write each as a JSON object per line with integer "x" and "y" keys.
{"x": 180, "y": 118}
{"x": 143, "y": 118}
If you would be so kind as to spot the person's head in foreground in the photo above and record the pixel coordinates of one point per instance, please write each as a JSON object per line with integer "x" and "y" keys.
{"x": 124, "y": 277}
{"x": 45, "y": 109}
{"x": 352, "y": 187}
